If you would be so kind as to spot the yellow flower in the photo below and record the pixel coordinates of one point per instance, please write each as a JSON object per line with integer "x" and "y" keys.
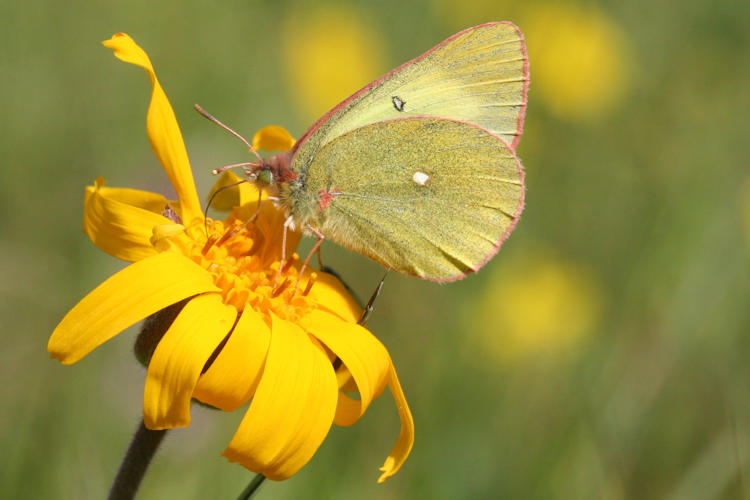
{"x": 235, "y": 339}
{"x": 328, "y": 53}
{"x": 580, "y": 59}
{"x": 536, "y": 305}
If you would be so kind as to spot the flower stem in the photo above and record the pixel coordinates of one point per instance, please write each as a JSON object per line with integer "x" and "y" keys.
{"x": 252, "y": 487}
{"x": 133, "y": 467}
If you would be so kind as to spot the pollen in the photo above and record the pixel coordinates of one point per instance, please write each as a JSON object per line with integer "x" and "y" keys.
{"x": 231, "y": 254}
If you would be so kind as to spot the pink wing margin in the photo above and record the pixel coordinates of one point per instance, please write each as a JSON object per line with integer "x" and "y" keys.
{"x": 366, "y": 88}
{"x": 516, "y": 215}
{"x": 524, "y": 91}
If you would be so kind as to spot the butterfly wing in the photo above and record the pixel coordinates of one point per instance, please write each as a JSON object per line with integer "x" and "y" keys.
{"x": 479, "y": 75}
{"x": 423, "y": 196}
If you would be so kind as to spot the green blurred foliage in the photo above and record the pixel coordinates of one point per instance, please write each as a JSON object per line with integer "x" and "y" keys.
{"x": 648, "y": 198}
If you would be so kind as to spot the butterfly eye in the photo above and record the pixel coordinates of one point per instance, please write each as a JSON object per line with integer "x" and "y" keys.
{"x": 264, "y": 177}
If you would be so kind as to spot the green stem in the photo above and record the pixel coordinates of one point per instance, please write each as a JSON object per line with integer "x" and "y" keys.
{"x": 133, "y": 467}
{"x": 252, "y": 487}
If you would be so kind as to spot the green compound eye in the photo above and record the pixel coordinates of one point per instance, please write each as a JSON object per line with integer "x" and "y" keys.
{"x": 265, "y": 177}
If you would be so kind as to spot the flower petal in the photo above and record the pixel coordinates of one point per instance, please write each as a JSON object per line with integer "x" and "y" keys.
{"x": 163, "y": 130}
{"x": 180, "y": 357}
{"x": 172, "y": 237}
{"x": 293, "y": 406}
{"x": 405, "y": 440}
{"x": 137, "y": 291}
{"x": 232, "y": 378}
{"x": 273, "y": 138}
{"x": 331, "y": 294}
{"x": 120, "y": 221}
{"x": 362, "y": 354}
{"x": 231, "y": 197}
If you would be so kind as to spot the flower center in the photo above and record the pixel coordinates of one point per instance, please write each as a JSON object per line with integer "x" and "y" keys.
{"x": 245, "y": 265}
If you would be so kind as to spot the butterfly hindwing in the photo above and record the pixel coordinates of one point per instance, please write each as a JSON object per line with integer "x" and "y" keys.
{"x": 427, "y": 197}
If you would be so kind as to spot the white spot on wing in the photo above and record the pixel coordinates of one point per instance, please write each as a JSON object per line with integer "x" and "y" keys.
{"x": 420, "y": 178}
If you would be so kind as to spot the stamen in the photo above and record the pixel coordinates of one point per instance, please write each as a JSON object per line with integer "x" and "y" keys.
{"x": 280, "y": 289}
{"x": 227, "y": 234}
{"x": 288, "y": 264}
{"x": 310, "y": 283}
{"x": 209, "y": 243}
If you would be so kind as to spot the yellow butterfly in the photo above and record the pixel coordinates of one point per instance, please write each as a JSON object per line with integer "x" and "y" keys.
{"x": 417, "y": 170}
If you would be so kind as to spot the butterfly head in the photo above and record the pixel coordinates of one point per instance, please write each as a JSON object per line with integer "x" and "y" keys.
{"x": 271, "y": 171}
{"x": 262, "y": 175}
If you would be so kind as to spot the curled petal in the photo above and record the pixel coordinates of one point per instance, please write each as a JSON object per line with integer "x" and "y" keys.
{"x": 231, "y": 379}
{"x": 331, "y": 294}
{"x": 120, "y": 221}
{"x": 362, "y": 354}
{"x": 180, "y": 357}
{"x": 139, "y": 290}
{"x": 125, "y": 49}
{"x": 273, "y": 138}
{"x": 405, "y": 440}
{"x": 292, "y": 409}
{"x": 163, "y": 131}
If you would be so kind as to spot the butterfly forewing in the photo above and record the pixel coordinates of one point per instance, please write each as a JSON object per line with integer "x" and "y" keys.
{"x": 479, "y": 75}
{"x": 427, "y": 197}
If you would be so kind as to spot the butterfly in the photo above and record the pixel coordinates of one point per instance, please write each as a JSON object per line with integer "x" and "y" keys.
{"x": 417, "y": 170}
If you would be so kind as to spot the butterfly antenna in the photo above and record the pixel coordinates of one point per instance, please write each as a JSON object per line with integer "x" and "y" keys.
{"x": 211, "y": 199}
{"x": 210, "y": 117}
{"x": 236, "y": 165}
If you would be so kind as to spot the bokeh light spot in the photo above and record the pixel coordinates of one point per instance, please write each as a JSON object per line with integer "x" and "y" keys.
{"x": 328, "y": 54}
{"x": 580, "y": 63}
{"x": 536, "y": 305}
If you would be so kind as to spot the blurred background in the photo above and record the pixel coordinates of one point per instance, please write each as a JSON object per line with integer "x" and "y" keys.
{"x": 603, "y": 353}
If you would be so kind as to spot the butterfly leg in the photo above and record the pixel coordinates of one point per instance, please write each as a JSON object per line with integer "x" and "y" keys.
{"x": 366, "y": 311}
{"x": 316, "y": 248}
{"x": 287, "y": 223}
{"x": 261, "y": 203}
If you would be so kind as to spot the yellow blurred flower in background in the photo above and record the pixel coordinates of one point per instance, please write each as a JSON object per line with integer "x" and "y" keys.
{"x": 580, "y": 59}
{"x": 242, "y": 335}
{"x": 535, "y": 305}
{"x": 329, "y": 52}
